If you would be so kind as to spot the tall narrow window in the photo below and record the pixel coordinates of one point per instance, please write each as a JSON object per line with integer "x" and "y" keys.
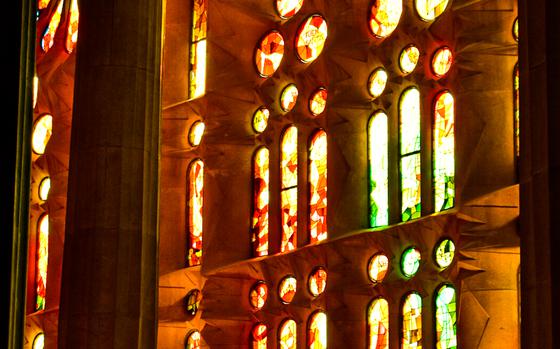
{"x": 195, "y": 201}
{"x": 378, "y": 324}
{"x": 42, "y": 261}
{"x": 446, "y": 318}
{"x": 317, "y": 331}
{"x": 516, "y": 109}
{"x": 412, "y": 322}
{"x": 318, "y": 187}
{"x": 409, "y": 112}
{"x": 72, "y": 36}
{"x": 289, "y": 192}
{"x": 287, "y": 335}
{"x": 444, "y": 152}
{"x": 378, "y": 170}
{"x": 260, "y": 202}
{"x": 48, "y": 37}
{"x": 259, "y": 335}
{"x": 197, "y": 69}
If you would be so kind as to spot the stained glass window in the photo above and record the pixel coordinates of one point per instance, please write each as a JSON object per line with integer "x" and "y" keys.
{"x": 197, "y": 69}
{"x": 445, "y": 252}
{"x": 42, "y": 261}
{"x": 412, "y": 322}
{"x": 310, "y": 38}
{"x": 42, "y": 4}
{"x": 317, "y": 331}
{"x": 441, "y": 61}
{"x": 429, "y": 10}
{"x": 516, "y": 109}
{"x": 289, "y": 178}
{"x": 288, "y": 97}
{"x": 377, "y": 82}
{"x": 39, "y": 341}
{"x": 72, "y": 36}
{"x": 44, "y": 188}
{"x": 444, "y": 152}
{"x": 193, "y": 340}
{"x": 288, "y": 8}
{"x": 260, "y": 202}
{"x": 35, "y": 90}
{"x": 196, "y": 132}
{"x": 408, "y": 59}
{"x": 384, "y": 17}
{"x": 409, "y": 113}
{"x": 378, "y": 324}
{"x": 318, "y": 101}
{"x": 318, "y": 187}
{"x": 42, "y": 131}
{"x": 48, "y": 37}
{"x": 287, "y": 289}
{"x": 259, "y": 335}
{"x": 195, "y": 200}
{"x": 378, "y": 165}
{"x": 378, "y": 266}
{"x": 410, "y": 261}
{"x": 287, "y": 334}
{"x": 516, "y": 29}
{"x": 260, "y": 119}
{"x": 446, "y": 318}
{"x": 269, "y": 53}
{"x": 193, "y": 301}
{"x": 317, "y": 281}
{"x": 258, "y": 295}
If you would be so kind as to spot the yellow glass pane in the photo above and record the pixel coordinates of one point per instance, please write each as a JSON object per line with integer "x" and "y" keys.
{"x": 378, "y": 267}
{"x": 317, "y": 281}
{"x": 287, "y": 335}
{"x": 409, "y": 59}
{"x": 42, "y": 261}
{"x": 48, "y": 37}
{"x": 384, "y": 17}
{"x": 258, "y": 295}
{"x": 310, "y": 38}
{"x": 260, "y": 119}
{"x": 39, "y": 341}
{"x": 317, "y": 331}
{"x": 318, "y": 187}
{"x": 196, "y": 132}
{"x": 41, "y": 134}
{"x": 72, "y": 37}
{"x": 288, "y": 98}
{"x": 196, "y": 189}
{"x": 197, "y": 73}
{"x": 193, "y": 340}
{"x": 287, "y": 8}
{"x": 44, "y": 188}
{"x": 429, "y": 10}
{"x": 378, "y": 324}
{"x": 442, "y": 60}
{"x": 42, "y": 4}
{"x": 287, "y": 289}
{"x": 377, "y": 82}
{"x": 35, "y": 90}
{"x": 516, "y": 29}
{"x": 260, "y": 202}
{"x": 412, "y": 322}
{"x": 318, "y": 101}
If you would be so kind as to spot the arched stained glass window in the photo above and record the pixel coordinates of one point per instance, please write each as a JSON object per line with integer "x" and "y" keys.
{"x": 409, "y": 114}
{"x": 384, "y": 17}
{"x": 259, "y": 335}
{"x": 378, "y": 324}
{"x": 516, "y": 109}
{"x": 378, "y": 166}
{"x": 311, "y": 37}
{"x": 195, "y": 201}
{"x": 287, "y": 334}
{"x": 42, "y": 131}
{"x": 260, "y": 202}
{"x": 72, "y": 36}
{"x": 412, "y": 322}
{"x": 446, "y": 318}
{"x": 197, "y": 69}
{"x": 444, "y": 152}
{"x": 269, "y": 53}
{"x": 39, "y": 341}
{"x": 48, "y": 37}
{"x": 42, "y": 261}
{"x": 193, "y": 340}
{"x": 289, "y": 191}
{"x": 318, "y": 187}
{"x": 317, "y": 331}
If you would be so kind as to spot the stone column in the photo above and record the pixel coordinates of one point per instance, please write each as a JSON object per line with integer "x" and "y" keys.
{"x": 109, "y": 277}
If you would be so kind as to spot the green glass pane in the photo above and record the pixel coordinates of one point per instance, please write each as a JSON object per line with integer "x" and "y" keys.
{"x": 446, "y": 318}
{"x": 410, "y": 261}
{"x": 445, "y": 251}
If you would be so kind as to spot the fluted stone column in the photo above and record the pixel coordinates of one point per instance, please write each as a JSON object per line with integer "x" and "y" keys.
{"x": 109, "y": 280}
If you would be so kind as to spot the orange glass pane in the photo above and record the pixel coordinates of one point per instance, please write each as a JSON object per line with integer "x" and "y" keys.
{"x": 193, "y": 340}
{"x": 429, "y": 10}
{"x": 72, "y": 36}
{"x": 288, "y": 8}
{"x": 442, "y": 60}
{"x": 48, "y": 37}
{"x": 42, "y": 261}
{"x": 42, "y": 131}
{"x": 258, "y": 295}
{"x": 259, "y": 334}
{"x": 317, "y": 331}
{"x": 384, "y": 17}
{"x": 196, "y": 186}
{"x": 409, "y": 59}
{"x": 287, "y": 335}
{"x": 310, "y": 38}
{"x": 289, "y": 193}
{"x": 378, "y": 324}
{"x": 317, "y": 281}
{"x": 42, "y": 4}
{"x": 269, "y": 53}
{"x": 378, "y": 266}
{"x": 288, "y": 98}
{"x": 260, "y": 202}
{"x": 287, "y": 289}
{"x": 318, "y": 101}
{"x": 318, "y": 187}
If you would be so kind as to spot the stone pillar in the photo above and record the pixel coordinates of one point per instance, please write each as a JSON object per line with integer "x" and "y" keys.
{"x": 109, "y": 277}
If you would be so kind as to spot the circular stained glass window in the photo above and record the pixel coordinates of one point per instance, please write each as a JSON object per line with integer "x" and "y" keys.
{"x": 410, "y": 261}
{"x": 444, "y": 253}
{"x": 44, "y": 188}
{"x": 193, "y": 340}
{"x": 269, "y": 53}
{"x": 288, "y": 97}
{"x": 288, "y": 8}
{"x": 378, "y": 266}
{"x": 442, "y": 60}
{"x": 384, "y": 17}
{"x": 193, "y": 301}
{"x": 258, "y": 295}
{"x": 260, "y": 119}
{"x": 287, "y": 289}
{"x": 318, "y": 101}
{"x": 196, "y": 132}
{"x": 41, "y": 134}
{"x": 377, "y": 82}
{"x": 39, "y": 341}
{"x": 310, "y": 38}
{"x": 317, "y": 281}
{"x": 516, "y": 29}
{"x": 429, "y": 10}
{"x": 408, "y": 59}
